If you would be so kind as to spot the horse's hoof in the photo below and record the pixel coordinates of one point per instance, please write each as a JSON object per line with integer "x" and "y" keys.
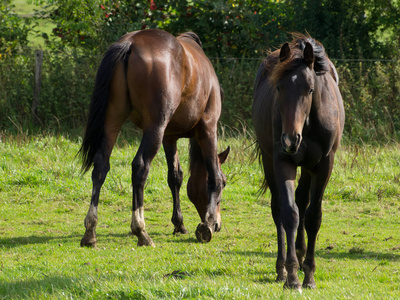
{"x": 88, "y": 243}
{"x": 310, "y": 286}
{"x": 180, "y": 230}
{"x": 204, "y": 233}
{"x": 280, "y": 278}
{"x": 293, "y": 286}
{"x": 146, "y": 243}
{"x": 145, "y": 240}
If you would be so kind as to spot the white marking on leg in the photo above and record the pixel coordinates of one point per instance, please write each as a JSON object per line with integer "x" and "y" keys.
{"x": 91, "y": 217}
{"x": 138, "y": 220}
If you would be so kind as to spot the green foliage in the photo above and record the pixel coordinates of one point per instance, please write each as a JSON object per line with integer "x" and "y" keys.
{"x": 372, "y": 100}
{"x": 348, "y": 28}
{"x": 16, "y": 91}
{"x": 13, "y": 29}
{"x": 227, "y": 28}
{"x": 235, "y": 35}
{"x": 233, "y": 28}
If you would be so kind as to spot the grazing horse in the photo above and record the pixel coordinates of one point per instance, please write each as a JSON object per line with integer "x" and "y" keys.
{"x": 168, "y": 88}
{"x": 298, "y": 117}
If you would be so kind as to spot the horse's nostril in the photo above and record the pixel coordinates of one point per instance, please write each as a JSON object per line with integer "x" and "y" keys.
{"x": 285, "y": 140}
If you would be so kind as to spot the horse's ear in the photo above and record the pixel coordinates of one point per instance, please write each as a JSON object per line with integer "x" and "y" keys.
{"x": 224, "y": 155}
{"x": 285, "y": 52}
{"x": 309, "y": 55}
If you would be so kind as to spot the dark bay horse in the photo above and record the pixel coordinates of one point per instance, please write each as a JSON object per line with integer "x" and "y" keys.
{"x": 298, "y": 117}
{"x": 167, "y": 87}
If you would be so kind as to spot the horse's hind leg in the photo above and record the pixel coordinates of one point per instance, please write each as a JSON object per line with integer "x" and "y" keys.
{"x": 149, "y": 146}
{"x": 302, "y": 198}
{"x": 101, "y": 166}
{"x": 118, "y": 110}
{"x": 99, "y": 173}
{"x": 175, "y": 178}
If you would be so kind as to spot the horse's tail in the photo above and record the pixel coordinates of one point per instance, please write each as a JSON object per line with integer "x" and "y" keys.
{"x": 257, "y": 154}
{"x": 94, "y": 134}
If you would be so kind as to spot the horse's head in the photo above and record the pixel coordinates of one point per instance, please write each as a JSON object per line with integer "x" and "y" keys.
{"x": 209, "y": 211}
{"x": 295, "y": 87}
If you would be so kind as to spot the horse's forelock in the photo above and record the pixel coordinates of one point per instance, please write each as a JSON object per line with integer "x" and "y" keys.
{"x": 282, "y": 68}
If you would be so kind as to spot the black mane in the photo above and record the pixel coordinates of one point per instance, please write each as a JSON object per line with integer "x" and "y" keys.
{"x": 321, "y": 63}
{"x": 276, "y": 70}
{"x": 192, "y": 36}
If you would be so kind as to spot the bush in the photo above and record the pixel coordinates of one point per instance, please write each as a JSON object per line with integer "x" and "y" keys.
{"x": 13, "y": 29}
{"x": 372, "y": 101}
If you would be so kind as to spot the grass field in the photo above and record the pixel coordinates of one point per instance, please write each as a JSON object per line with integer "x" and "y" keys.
{"x": 44, "y": 199}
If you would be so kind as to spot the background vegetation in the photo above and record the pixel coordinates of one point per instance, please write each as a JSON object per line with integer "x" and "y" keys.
{"x": 362, "y": 37}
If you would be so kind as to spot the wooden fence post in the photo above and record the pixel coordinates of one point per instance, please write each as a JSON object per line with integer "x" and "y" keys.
{"x": 38, "y": 82}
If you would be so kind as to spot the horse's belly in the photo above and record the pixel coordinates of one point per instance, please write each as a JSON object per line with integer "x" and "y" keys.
{"x": 181, "y": 124}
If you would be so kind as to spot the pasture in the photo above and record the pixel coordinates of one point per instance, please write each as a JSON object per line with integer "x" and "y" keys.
{"x": 44, "y": 199}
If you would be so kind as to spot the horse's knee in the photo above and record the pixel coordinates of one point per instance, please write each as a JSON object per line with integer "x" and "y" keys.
{"x": 313, "y": 222}
{"x": 290, "y": 217}
{"x": 175, "y": 178}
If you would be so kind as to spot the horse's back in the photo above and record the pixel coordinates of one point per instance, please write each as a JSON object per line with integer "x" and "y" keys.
{"x": 154, "y": 76}
{"x": 334, "y": 112}
{"x": 201, "y": 92}
{"x": 170, "y": 82}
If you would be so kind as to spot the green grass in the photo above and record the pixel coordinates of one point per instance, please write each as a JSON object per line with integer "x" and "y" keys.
{"x": 44, "y": 199}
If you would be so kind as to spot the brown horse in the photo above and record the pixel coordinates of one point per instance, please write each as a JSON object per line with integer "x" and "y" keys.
{"x": 167, "y": 87}
{"x": 298, "y": 117}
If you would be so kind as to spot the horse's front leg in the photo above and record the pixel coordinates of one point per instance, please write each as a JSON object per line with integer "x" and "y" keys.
{"x": 313, "y": 218}
{"x": 276, "y": 215}
{"x": 175, "y": 178}
{"x": 302, "y": 197}
{"x": 206, "y": 139}
{"x": 149, "y": 146}
{"x": 285, "y": 174}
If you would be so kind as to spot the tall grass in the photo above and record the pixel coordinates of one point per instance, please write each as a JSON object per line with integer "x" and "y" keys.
{"x": 370, "y": 91}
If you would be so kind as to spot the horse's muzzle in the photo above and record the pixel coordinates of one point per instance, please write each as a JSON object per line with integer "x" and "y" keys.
{"x": 290, "y": 143}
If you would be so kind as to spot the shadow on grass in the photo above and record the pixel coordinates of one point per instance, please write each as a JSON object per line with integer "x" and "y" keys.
{"x": 369, "y": 255}
{"x": 378, "y": 256}
{"x": 64, "y": 286}
{"x": 104, "y": 239}
{"x": 13, "y": 242}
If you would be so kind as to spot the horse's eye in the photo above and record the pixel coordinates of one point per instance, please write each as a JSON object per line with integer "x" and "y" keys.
{"x": 311, "y": 91}
{"x": 277, "y": 88}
